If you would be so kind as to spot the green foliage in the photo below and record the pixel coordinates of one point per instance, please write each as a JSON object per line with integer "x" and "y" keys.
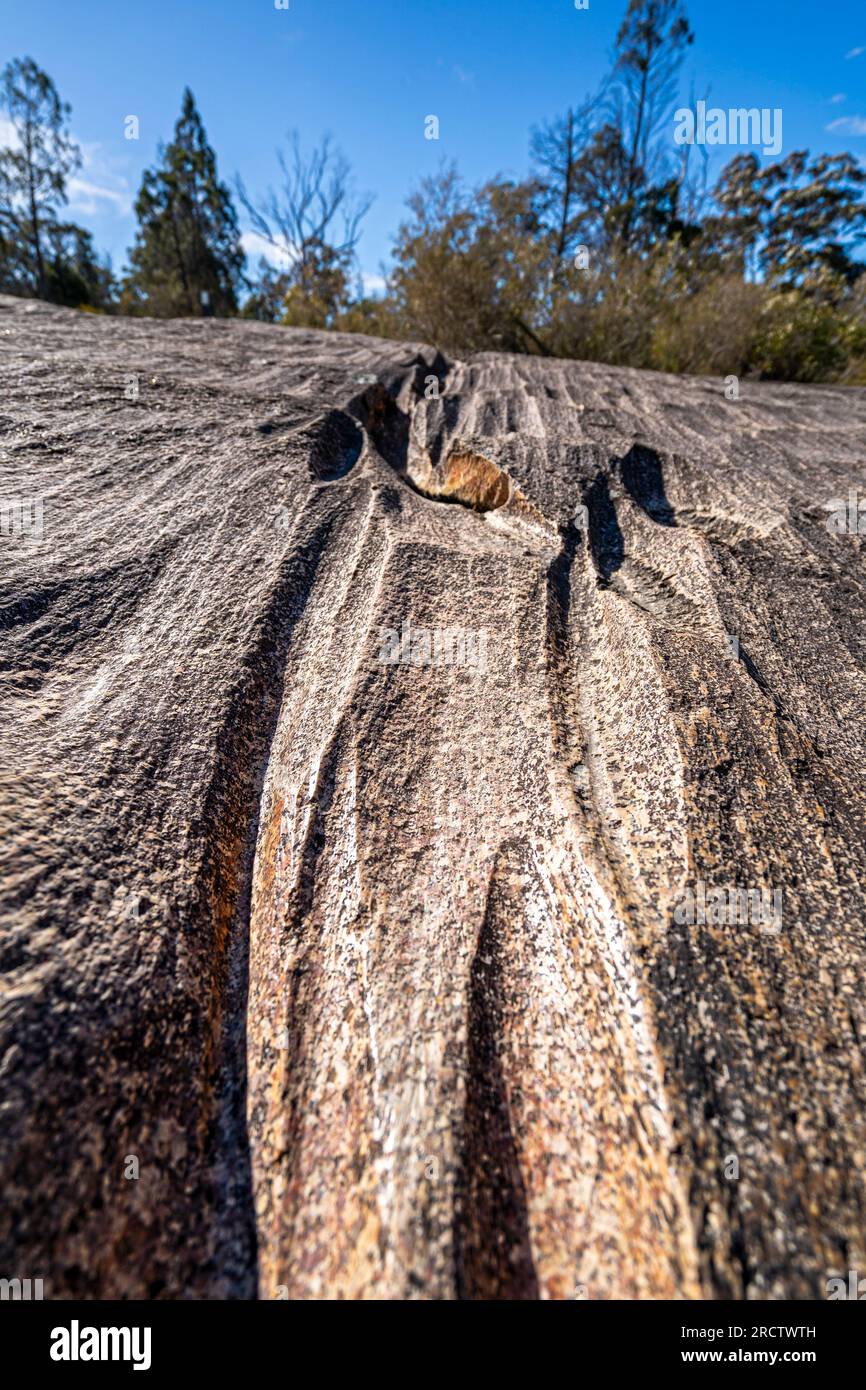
{"x": 314, "y": 294}
{"x": 76, "y": 275}
{"x": 471, "y": 267}
{"x": 605, "y": 171}
{"x": 321, "y": 289}
{"x": 269, "y": 289}
{"x": 373, "y": 316}
{"x": 651, "y": 44}
{"x": 795, "y": 223}
{"x": 801, "y": 338}
{"x": 39, "y": 254}
{"x": 612, "y": 250}
{"x": 613, "y": 253}
{"x": 709, "y": 329}
{"x": 187, "y": 259}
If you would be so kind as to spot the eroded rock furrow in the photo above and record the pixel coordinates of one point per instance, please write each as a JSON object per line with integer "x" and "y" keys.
{"x": 369, "y": 719}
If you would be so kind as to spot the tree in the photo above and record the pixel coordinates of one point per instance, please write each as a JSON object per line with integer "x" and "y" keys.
{"x": 187, "y": 259}
{"x": 796, "y": 224}
{"x": 651, "y": 45}
{"x": 9, "y": 259}
{"x": 742, "y": 203}
{"x": 314, "y": 221}
{"x": 815, "y": 221}
{"x": 77, "y": 276}
{"x": 556, "y": 148}
{"x": 269, "y": 290}
{"x": 605, "y": 171}
{"x": 761, "y": 276}
{"x": 472, "y": 267}
{"x": 33, "y": 173}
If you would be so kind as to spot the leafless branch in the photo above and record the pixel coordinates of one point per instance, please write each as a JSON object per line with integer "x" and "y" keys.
{"x": 315, "y": 196}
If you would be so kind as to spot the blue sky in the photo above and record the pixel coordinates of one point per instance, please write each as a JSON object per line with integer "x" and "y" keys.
{"x": 370, "y": 71}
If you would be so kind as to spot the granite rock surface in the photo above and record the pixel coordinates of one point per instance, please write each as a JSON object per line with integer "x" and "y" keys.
{"x": 433, "y": 823}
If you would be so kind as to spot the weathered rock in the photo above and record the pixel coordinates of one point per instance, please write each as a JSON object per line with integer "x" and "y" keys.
{"x": 378, "y": 968}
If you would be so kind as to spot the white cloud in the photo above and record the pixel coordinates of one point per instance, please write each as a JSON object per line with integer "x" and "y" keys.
{"x": 8, "y": 135}
{"x": 855, "y": 52}
{"x": 838, "y": 98}
{"x": 101, "y": 184}
{"x": 848, "y": 125}
{"x": 256, "y": 245}
{"x": 86, "y": 197}
{"x": 373, "y": 284}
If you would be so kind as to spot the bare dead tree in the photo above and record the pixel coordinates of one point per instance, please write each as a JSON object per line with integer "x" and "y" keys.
{"x": 694, "y": 194}
{"x": 556, "y": 149}
{"x": 650, "y": 47}
{"x": 315, "y": 199}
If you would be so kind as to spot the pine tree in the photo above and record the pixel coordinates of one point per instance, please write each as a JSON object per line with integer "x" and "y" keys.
{"x": 187, "y": 259}
{"x": 33, "y": 175}
{"x": 77, "y": 276}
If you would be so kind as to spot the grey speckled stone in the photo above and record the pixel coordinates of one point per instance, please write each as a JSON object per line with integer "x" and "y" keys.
{"x": 377, "y": 972}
